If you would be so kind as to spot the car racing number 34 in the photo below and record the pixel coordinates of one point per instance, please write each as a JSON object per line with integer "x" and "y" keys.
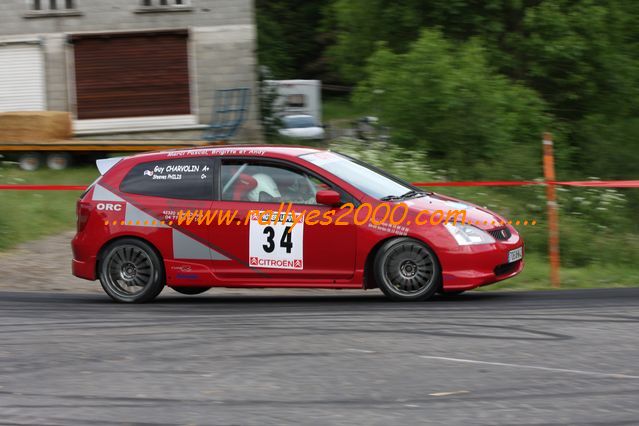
{"x": 275, "y": 243}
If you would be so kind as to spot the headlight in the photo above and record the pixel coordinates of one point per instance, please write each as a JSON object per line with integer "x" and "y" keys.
{"x": 468, "y": 235}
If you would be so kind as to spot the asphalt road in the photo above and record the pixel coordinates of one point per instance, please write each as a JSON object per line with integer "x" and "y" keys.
{"x": 568, "y": 357}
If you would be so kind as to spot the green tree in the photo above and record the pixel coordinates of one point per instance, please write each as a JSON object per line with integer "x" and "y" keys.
{"x": 580, "y": 56}
{"x": 359, "y": 24}
{"x": 446, "y": 98}
{"x": 290, "y": 41}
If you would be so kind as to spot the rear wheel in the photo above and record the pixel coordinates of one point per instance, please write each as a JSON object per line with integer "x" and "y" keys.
{"x": 407, "y": 270}
{"x": 131, "y": 271}
{"x": 451, "y": 293}
{"x": 190, "y": 290}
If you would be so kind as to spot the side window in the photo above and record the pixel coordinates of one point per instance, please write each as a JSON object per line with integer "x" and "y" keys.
{"x": 182, "y": 178}
{"x": 251, "y": 181}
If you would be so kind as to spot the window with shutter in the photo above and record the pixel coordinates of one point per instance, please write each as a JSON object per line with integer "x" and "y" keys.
{"x": 132, "y": 74}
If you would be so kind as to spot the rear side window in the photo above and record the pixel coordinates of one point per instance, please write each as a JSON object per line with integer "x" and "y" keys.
{"x": 182, "y": 178}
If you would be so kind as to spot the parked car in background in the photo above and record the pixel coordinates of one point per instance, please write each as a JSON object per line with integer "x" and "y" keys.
{"x": 369, "y": 128}
{"x": 301, "y": 126}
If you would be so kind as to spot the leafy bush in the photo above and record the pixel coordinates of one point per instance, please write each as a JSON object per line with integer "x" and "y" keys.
{"x": 446, "y": 99}
{"x": 407, "y": 164}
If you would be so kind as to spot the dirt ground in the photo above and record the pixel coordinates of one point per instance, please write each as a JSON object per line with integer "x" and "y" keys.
{"x": 45, "y": 265}
{"x": 42, "y": 265}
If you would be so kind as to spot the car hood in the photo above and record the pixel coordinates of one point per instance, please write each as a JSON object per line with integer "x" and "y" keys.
{"x": 480, "y": 217}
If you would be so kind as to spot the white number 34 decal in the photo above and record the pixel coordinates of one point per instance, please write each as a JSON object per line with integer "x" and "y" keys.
{"x": 276, "y": 245}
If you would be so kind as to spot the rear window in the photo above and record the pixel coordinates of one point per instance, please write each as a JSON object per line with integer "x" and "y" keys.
{"x": 182, "y": 178}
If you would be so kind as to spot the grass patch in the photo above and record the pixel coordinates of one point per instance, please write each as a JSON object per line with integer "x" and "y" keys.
{"x": 340, "y": 108}
{"x": 29, "y": 215}
{"x": 536, "y": 273}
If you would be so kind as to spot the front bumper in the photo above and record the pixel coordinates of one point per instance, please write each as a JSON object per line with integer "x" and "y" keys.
{"x": 474, "y": 266}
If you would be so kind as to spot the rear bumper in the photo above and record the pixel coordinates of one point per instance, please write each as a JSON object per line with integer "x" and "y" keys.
{"x": 82, "y": 265}
{"x": 85, "y": 270}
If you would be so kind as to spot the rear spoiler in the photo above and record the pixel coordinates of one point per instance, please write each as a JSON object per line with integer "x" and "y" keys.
{"x": 105, "y": 164}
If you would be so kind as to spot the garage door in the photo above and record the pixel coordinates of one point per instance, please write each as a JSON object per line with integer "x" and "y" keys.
{"x": 132, "y": 74}
{"x": 21, "y": 77}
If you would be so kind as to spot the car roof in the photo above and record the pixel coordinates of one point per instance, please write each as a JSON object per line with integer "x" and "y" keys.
{"x": 229, "y": 150}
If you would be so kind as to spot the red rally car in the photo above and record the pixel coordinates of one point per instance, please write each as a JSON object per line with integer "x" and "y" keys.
{"x": 132, "y": 236}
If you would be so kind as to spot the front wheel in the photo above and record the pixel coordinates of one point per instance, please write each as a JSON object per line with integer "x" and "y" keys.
{"x": 407, "y": 270}
{"x": 131, "y": 271}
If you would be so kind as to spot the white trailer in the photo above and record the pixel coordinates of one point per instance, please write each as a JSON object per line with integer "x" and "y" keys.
{"x": 298, "y": 97}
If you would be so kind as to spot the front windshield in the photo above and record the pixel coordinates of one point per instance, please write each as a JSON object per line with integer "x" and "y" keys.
{"x": 360, "y": 175}
{"x": 298, "y": 121}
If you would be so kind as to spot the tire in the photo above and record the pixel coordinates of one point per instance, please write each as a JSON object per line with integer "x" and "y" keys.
{"x": 131, "y": 271}
{"x": 407, "y": 270}
{"x": 191, "y": 290}
{"x": 450, "y": 293}
{"x": 58, "y": 160}
{"x": 30, "y": 161}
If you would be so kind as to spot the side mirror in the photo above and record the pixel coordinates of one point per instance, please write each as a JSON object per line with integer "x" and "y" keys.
{"x": 328, "y": 197}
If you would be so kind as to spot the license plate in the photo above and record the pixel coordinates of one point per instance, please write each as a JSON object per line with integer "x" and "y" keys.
{"x": 515, "y": 255}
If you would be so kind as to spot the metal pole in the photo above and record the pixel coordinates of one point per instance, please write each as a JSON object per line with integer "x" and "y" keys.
{"x": 553, "y": 213}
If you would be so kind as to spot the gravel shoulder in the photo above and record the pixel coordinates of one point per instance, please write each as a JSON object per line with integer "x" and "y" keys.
{"x": 44, "y": 265}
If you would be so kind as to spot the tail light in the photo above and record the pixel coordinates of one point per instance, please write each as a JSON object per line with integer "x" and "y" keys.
{"x": 82, "y": 211}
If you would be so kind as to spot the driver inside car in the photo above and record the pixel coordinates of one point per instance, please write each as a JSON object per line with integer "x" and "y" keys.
{"x": 297, "y": 189}
{"x": 265, "y": 191}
